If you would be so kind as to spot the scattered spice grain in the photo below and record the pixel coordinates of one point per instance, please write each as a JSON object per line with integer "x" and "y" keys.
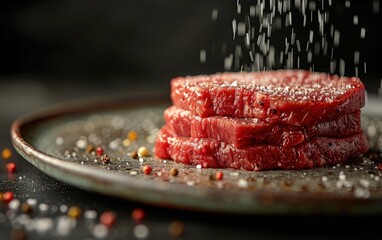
{"x": 8, "y": 196}
{"x": 6, "y": 153}
{"x": 108, "y": 218}
{"x": 105, "y": 159}
{"x": 143, "y": 151}
{"x": 146, "y": 169}
{"x": 134, "y": 155}
{"x": 11, "y": 167}
{"x": 89, "y": 149}
{"x": 174, "y": 172}
{"x": 175, "y": 229}
{"x": 99, "y": 151}
{"x": 132, "y": 135}
{"x": 218, "y": 175}
{"x": 138, "y": 214}
{"x": 74, "y": 212}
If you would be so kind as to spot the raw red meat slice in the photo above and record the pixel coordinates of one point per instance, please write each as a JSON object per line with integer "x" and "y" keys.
{"x": 291, "y": 97}
{"x": 211, "y": 153}
{"x": 243, "y": 132}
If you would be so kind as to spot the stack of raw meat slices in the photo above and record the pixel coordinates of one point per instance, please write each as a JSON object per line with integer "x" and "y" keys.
{"x": 287, "y": 119}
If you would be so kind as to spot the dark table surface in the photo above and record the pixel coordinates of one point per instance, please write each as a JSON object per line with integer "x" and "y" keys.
{"x": 20, "y": 97}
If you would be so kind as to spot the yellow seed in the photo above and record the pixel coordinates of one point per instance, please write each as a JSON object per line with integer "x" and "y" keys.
{"x": 174, "y": 172}
{"x": 143, "y": 152}
{"x": 132, "y": 135}
{"x": 6, "y": 153}
{"x": 74, "y": 212}
{"x": 126, "y": 142}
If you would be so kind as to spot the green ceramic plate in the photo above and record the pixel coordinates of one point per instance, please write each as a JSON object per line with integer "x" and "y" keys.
{"x": 57, "y": 141}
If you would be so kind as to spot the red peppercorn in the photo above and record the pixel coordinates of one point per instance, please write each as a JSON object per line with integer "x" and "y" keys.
{"x": 108, "y": 218}
{"x": 11, "y": 167}
{"x": 99, "y": 151}
{"x": 379, "y": 166}
{"x": 8, "y": 196}
{"x": 219, "y": 175}
{"x": 146, "y": 169}
{"x": 138, "y": 215}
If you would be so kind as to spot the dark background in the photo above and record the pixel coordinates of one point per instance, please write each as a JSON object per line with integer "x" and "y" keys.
{"x": 141, "y": 45}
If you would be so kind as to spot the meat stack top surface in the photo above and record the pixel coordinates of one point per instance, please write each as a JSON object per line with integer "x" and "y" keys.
{"x": 286, "y": 119}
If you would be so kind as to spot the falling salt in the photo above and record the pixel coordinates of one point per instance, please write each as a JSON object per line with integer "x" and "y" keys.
{"x": 228, "y": 62}
{"x": 214, "y": 14}
{"x": 355, "y": 20}
{"x": 342, "y": 67}
{"x": 336, "y": 40}
{"x": 363, "y": 32}
{"x": 356, "y": 57}
{"x": 241, "y": 29}
{"x": 252, "y": 11}
{"x": 376, "y": 6}
{"x": 203, "y": 56}
{"x": 234, "y": 28}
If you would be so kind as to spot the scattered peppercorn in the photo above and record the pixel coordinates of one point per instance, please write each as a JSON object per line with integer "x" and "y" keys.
{"x": 146, "y": 169}
{"x": 6, "y": 153}
{"x": 108, "y": 218}
{"x": 132, "y": 135}
{"x": 74, "y": 212}
{"x": 176, "y": 229}
{"x": 134, "y": 154}
{"x": 99, "y": 151}
{"x": 218, "y": 175}
{"x": 89, "y": 149}
{"x": 8, "y": 196}
{"x": 143, "y": 152}
{"x": 105, "y": 159}
{"x": 138, "y": 215}
{"x": 26, "y": 208}
{"x": 379, "y": 166}
{"x": 11, "y": 167}
{"x": 174, "y": 172}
